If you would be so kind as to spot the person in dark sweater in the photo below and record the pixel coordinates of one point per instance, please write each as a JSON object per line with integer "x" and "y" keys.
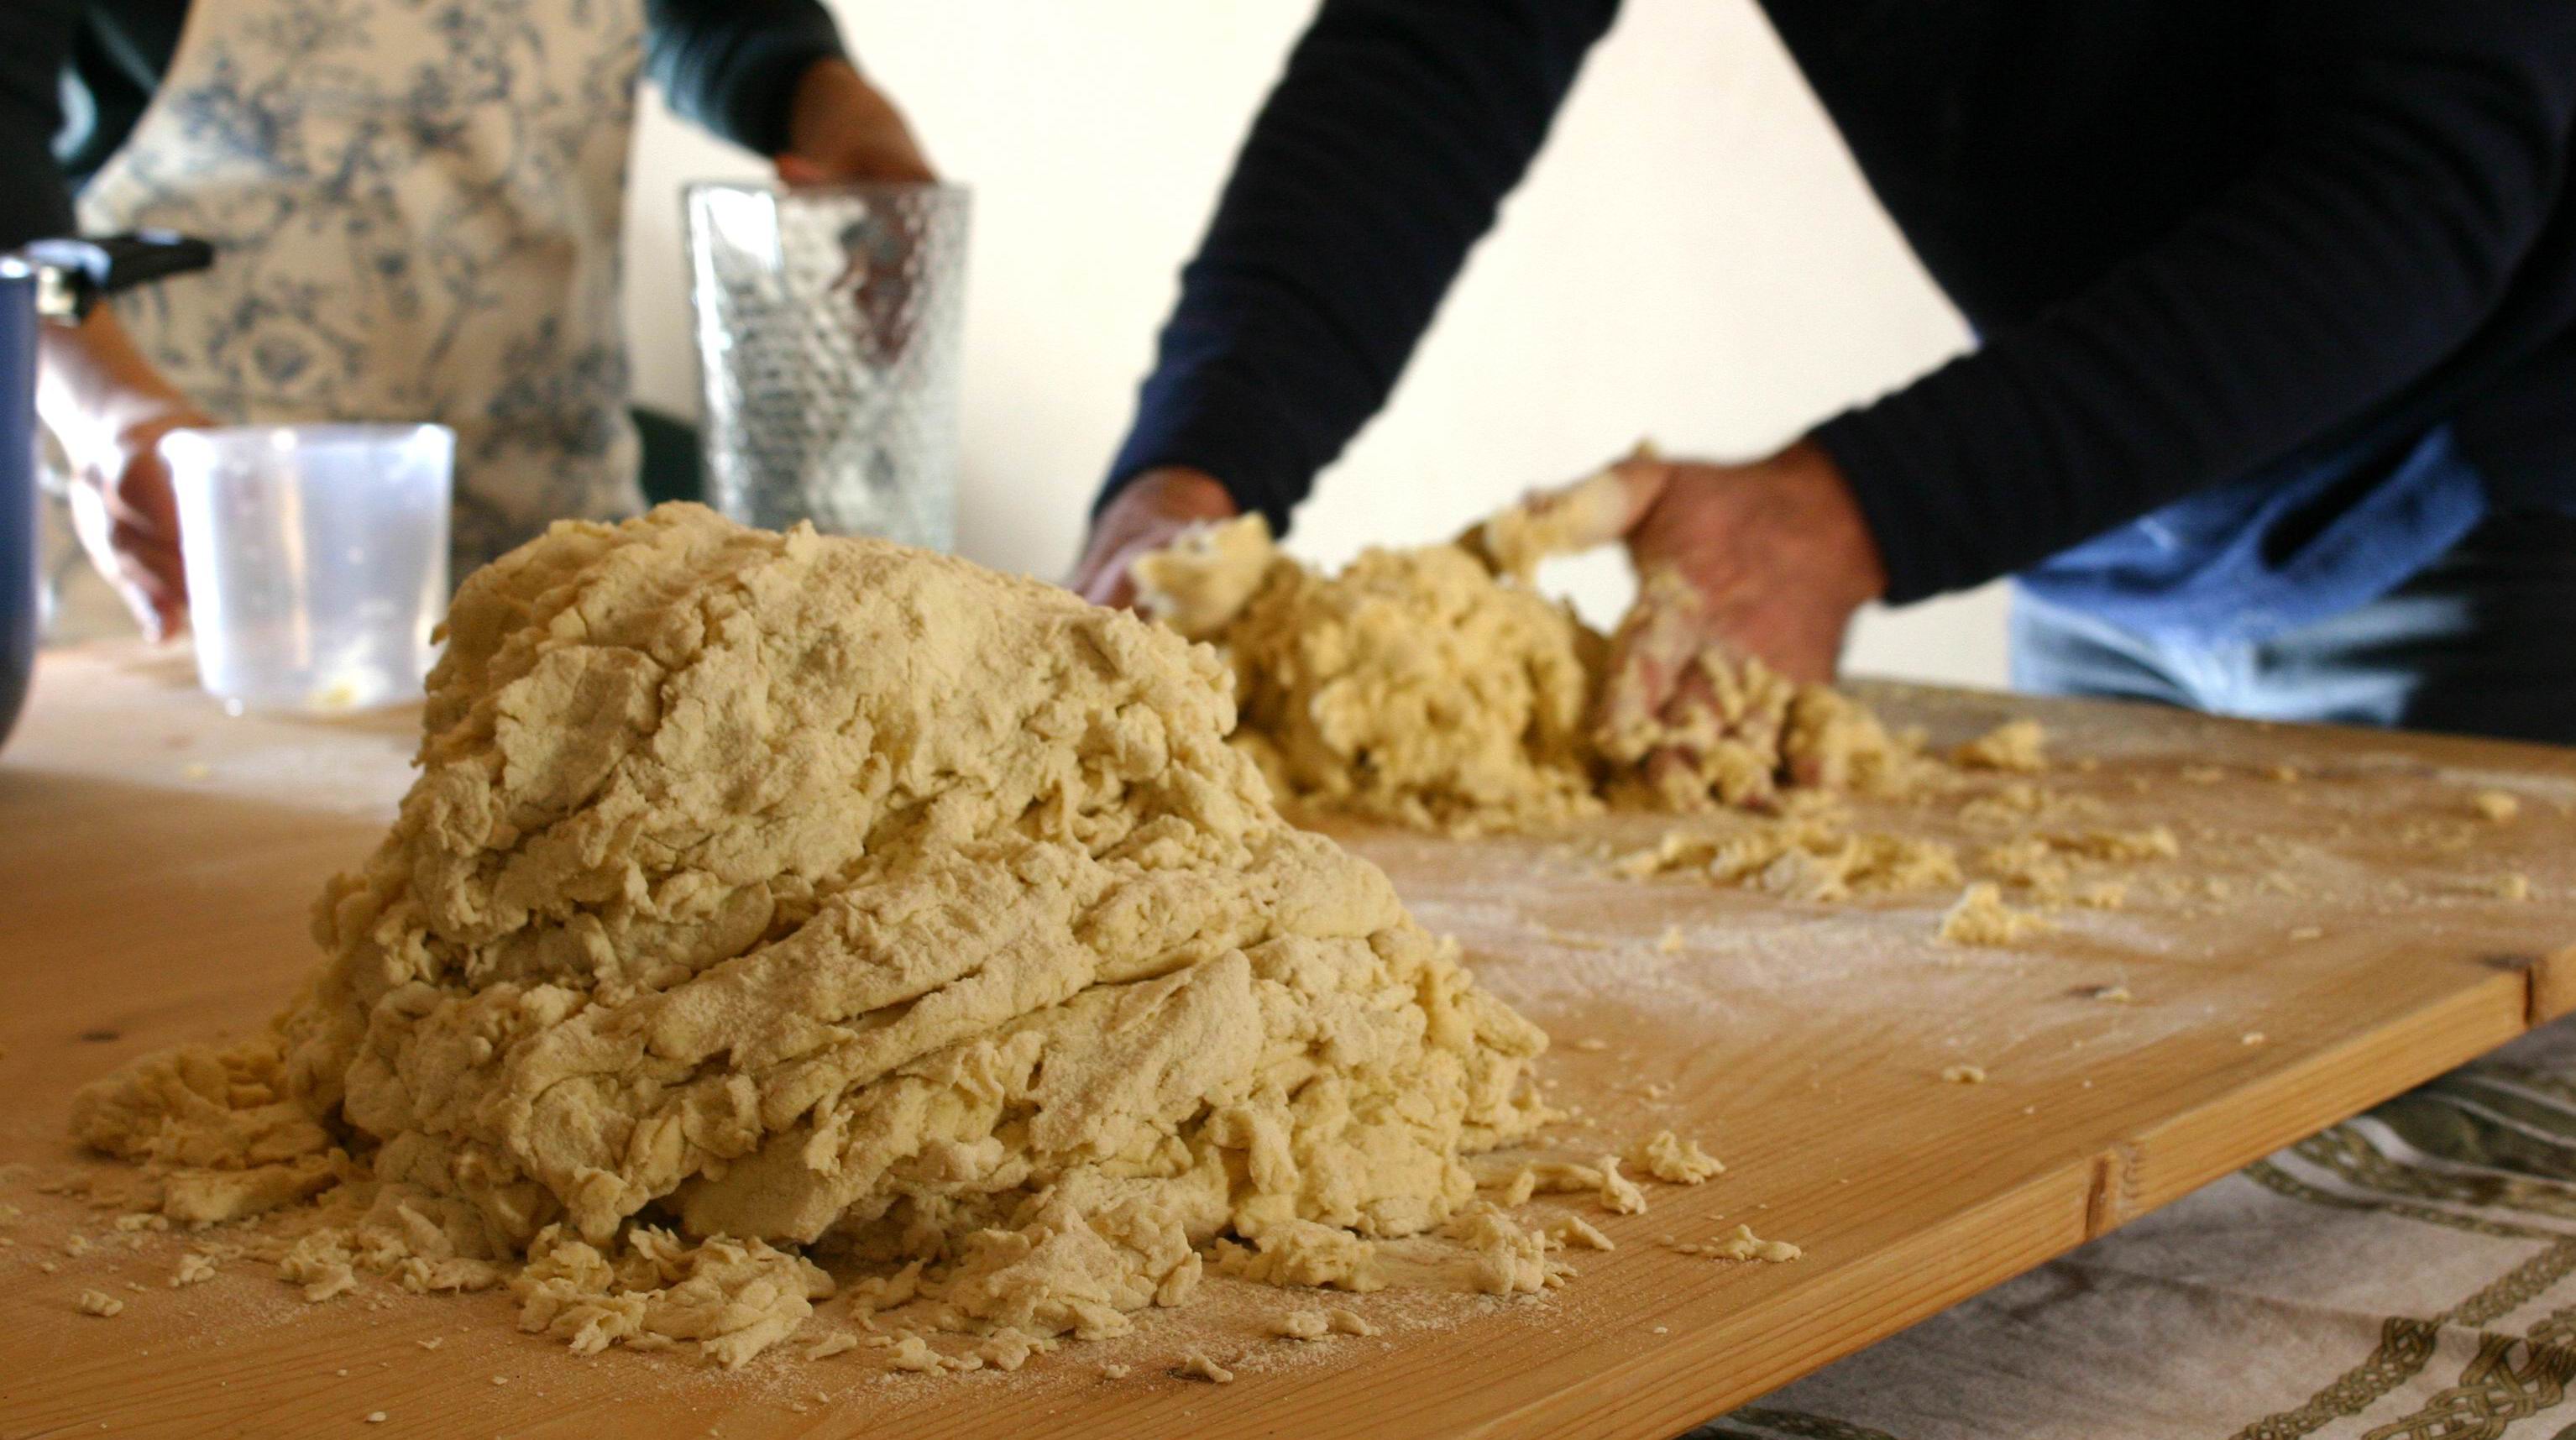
{"x": 2273, "y": 406}
{"x": 416, "y": 210}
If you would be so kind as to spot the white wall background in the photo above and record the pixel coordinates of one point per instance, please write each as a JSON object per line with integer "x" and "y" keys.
{"x": 1693, "y": 259}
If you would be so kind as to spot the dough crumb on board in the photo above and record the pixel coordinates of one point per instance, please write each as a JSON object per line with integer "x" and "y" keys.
{"x": 1569, "y": 1231}
{"x": 1301, "y": 1325}
{"x": 100, "y": 1304}
{"x": 2495, "y": 805}
{"x": 194, "y": 1269}
{"x": 1317, "y": 1322}
{"x": 830, "y": 1345}
{"x": 1964, "y": 1074}
{"x": 1196, "y": 1365}
{"x": 1674, "y": 1160}
{"x": 574, "y": 1008}
{"x": 2103, "y": 895}
{"x": 1981, "y": 918}
{"x": 1502, "y": 1257}
{"x": 1741, "y": 1243}
{"x": 1303, "y": 1254}
{"x": 2514, "y": 886}
{"x": 909, "y": 1352}
{"x": 1807, "y": 859}
{"x": 2020, "y": 746}
{"x": 1009, "y": 1348}
{"x": 1110, "y": 1370}
{"x": 1619, "y": 1194}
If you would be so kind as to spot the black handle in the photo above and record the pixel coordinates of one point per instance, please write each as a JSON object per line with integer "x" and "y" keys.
{"x": 88, "y": 269}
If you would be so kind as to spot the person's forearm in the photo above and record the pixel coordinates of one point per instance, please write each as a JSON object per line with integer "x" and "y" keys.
{"x": 93, "y": 384}
{"x": 733, "y": 66}
{"x": 2358, "y": 260}
{"x": 1374, "y": 166}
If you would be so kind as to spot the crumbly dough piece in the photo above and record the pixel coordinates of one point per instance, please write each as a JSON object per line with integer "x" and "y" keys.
{"x": 1411, "y": 687}
{"x": 1502, "y": 1258}
{"x": 2496, "y": 805}
{"x": 1674, "y": 1160}
{"x": 1569, "y": 1231}
{"x": 2045, "y": 864}
{"x": 2102, "y": 894}
{"x": 1737, "y": 733}
{"x": 1982, "y": 918}
{"x": 1588, "y": 513}
{"x": 1008, "y": 1349}
{"x": 2019, "y": 746}
{"x": 1196, "y": 1365}
{"x": 1807, "y": 859}
{"x": 1205, "y": 578}
{"x": 1301, "y": 1325}
{"x": 100, "y": 1304}
{"x": 837, "y": 1343}
{"x": 745, "y": 903}
{"x": 1741, "y": 1243}
{"x": 1421, "y": 687}
{"x": 1305, "y": 1254}
{"x": 1619, "y": 1194}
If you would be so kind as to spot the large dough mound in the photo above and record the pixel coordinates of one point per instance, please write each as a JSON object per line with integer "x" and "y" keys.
{"x": 1435, "y": 686}
{"x": 818, "y": 892}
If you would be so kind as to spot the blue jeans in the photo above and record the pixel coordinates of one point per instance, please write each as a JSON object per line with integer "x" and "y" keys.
{"x": 2481, "y": 642}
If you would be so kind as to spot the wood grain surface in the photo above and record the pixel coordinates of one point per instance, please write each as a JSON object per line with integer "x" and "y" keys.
{"x": 2332, "y": 934}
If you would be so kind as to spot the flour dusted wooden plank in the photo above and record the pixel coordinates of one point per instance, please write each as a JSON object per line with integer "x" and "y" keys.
{"x": 1800, "y": 1043}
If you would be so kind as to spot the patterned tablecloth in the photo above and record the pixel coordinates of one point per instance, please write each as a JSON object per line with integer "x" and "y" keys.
{"x": 2401, "y": 1276}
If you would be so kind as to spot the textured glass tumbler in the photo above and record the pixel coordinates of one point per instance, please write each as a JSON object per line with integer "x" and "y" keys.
{"x": 828, "y": 325}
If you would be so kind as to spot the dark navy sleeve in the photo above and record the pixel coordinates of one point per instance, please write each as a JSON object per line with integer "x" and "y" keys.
{"x": 1377, "y": 162}
{"x": 732, "y": 65}
{"x": 2420, "y": 153}
{"x": 35, "y": 42}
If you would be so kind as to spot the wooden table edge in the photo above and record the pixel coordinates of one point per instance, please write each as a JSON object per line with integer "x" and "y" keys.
{"x": 2052, "y": 1213}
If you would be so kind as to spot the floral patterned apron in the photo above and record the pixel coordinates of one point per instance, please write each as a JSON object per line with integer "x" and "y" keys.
{"x": 416, "y": 206}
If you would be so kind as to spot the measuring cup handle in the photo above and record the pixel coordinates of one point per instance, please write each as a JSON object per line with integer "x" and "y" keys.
{"x": 82, "y": 271}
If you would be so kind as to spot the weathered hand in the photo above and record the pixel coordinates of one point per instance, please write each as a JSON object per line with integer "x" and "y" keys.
{"x": 1147, "y": 515}
{"x": 1767, "y": 560}
{"x": 840, "y": 128}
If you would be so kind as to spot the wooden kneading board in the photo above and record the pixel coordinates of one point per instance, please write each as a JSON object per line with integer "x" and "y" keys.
{"x": 159, "y": 858}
